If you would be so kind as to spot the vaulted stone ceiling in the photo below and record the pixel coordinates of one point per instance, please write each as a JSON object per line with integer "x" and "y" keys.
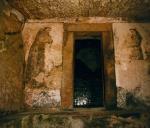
{"x": 40, "y": 9}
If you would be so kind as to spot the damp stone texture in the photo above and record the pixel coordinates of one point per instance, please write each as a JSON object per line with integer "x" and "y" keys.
{"x": 140, "y": 120}
{"x": 43, "y": 9}
{"x": 43, "y": 56}
{"x": 43, "y": 42}
{"x": 11, "y": 60}
{"x": 132, "y": 58}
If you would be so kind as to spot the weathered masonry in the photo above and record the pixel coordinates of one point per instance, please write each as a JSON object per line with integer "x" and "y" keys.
{"x": 50, "y": 50}
{"x": 48, "y": 56}
{"x": 50, "y": 77}
{"x": 74, "y": 63}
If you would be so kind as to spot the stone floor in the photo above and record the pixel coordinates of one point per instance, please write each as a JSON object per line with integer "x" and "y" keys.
{"x": 90, "y": 118}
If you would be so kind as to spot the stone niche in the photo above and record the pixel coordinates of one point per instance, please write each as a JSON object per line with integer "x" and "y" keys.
{"x": 132, "y": 53}
{"x": 49, "y": 63}
{"x": 43, "y": 73}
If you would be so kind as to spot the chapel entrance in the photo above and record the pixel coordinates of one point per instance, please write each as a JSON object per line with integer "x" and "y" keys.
{"x": 89, "y": 79}
{"x": 88, "y": 71}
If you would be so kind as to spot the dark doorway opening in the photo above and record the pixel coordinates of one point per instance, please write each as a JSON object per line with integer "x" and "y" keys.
{"x": 88, "y": 73}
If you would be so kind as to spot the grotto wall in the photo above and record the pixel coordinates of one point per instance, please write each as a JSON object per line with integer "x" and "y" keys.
{"x": 39, "y": 84}
{"x": 132, "y": 51}
{"x": 132, "y": 54}
{"x": 11, "y": 59}
{"x": 43, "y": 52}
{"x": 31, "y": 71}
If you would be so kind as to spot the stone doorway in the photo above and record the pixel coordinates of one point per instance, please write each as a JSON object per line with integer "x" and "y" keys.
{"x": 88, "y": 71}
{"x": 84, "y": 32}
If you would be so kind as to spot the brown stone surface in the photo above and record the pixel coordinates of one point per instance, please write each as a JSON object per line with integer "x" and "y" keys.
{"x": 12, "y": 20}
{"x": 42, "y": 98}
{"x": 109, "y": 71}
{"x": 35, "y": 64}
{"x": 73, "y": 8}
{"x": 44, "y": 65}
{"x": 67, "y": 82}
{"x": 11, "y": 24}
{"x": 77, "y": 120}
{"x": 132, "y": 64}
{"x": 11, "y": 73}
{"x": 11, "y": 59}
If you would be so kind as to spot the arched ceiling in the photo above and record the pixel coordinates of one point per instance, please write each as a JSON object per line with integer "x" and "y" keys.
{"x": 40, "y": 9}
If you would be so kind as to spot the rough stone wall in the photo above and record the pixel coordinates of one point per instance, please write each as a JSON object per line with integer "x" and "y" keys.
{"x": 138, "y": 120}
{"x": 43, "y": 49}
{"x": 132, "y": 51}
{"x": 40, "y": 9}
{"x": 11, "y": 59}
{"x": 44, "y": 68}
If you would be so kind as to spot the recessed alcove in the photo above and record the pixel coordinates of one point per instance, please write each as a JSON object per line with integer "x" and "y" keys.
{"x": 88, "y": 81}
{"x": 88, "y": 71}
